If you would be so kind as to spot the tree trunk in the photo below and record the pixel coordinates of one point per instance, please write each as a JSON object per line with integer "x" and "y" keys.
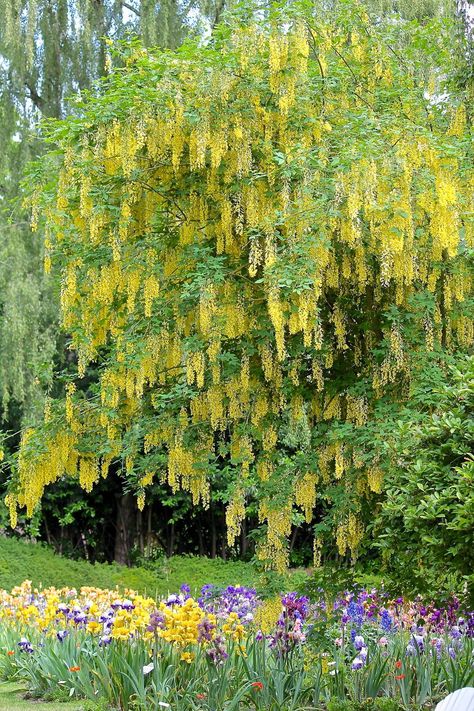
{"x": 213, "y": 534}
{"x": 171, "y": 541}
{"x": 141, "y": 538}
{"x": 200, "y": 538}
{"x": 124, "y": 528}
{"x": 243, "y": 539}
{"x": 149, "y": 533}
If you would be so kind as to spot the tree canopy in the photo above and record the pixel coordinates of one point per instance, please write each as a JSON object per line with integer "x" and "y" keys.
{"x": 259, "y": 241}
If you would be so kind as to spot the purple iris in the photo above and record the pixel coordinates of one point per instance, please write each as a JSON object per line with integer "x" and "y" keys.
{"x": 295, "y": 608}
{"x": 470, "y": 625}
{"x": 238, "y": 599}
{"x": 157, "y": 621}
{"x": 107, "y": 616}
{"x": 456, "y": 632}
{"x": 61, "y": 635}
{"x": 419, "y": 642}
{"x": 205, "y": 630}
{"x": 186, "y": 590}
{"x": 438, "y": 645}
{"x": 386, "y": 621}
{"x": 355, "y": 611}
{"x": 25, "y": 645}
{"x": 216, "y": 652}
{"x": 173, "y": 600}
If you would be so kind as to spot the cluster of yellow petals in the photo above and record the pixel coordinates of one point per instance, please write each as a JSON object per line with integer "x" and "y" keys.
{"x": 50, "y": 610}
{"x": 46, "y": 613}
{"x": 241, "y": 161}
{"x": 182, "y": 622}
{"x": 233, "y": 628}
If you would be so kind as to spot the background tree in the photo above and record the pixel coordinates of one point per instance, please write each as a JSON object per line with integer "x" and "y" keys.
{"x": 50, "y": 50}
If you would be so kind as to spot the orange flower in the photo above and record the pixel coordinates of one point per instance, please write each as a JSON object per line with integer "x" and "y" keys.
{"x": 200, "y": 696}
{"x": 257, "y": 685}
{"x": 10, "y": 652}
{"x": 399, "y": 677}
{"x": 398, "y": 665}
{"x": 74, "y": 669}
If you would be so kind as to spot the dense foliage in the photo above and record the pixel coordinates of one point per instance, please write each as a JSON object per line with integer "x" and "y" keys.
{"x": 254, "y": 261}
{"x": 426, "y": 527}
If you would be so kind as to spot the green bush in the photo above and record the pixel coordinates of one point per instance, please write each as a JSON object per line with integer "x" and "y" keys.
{"x": 379, "y": 704}
{"x": 20, "y": 560}
{"x": 334, "y": 579}
{"x": 426, "y": 525}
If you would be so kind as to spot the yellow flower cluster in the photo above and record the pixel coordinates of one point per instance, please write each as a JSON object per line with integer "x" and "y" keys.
{"x": 241, "y": 164}
{"x": 267, "y": 614}
{"x": 233, "y": 628}
{"x": 105, "y": 615}
{"x": 52, "y": 609}
{"x": 182, "y": 622}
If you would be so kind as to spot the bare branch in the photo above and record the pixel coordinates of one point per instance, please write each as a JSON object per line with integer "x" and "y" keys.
{"x": 131, "y": 8}
{"x": 34, "y": 96}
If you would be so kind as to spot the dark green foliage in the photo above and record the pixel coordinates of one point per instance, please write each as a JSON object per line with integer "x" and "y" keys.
{"x": 332, "y": 580}
{"x": 426, "y": 525}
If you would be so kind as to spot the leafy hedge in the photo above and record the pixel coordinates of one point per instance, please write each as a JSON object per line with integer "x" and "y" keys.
{"x": 426, "y": 526}
{"x": 20, "y": 560}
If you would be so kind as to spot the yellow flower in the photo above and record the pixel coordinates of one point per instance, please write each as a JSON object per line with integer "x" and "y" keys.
{"x": 187, "y": 657}
{"x": 233, "y": 628}
{"x": 94, "y": 627}
{"x": 120, "y": 633}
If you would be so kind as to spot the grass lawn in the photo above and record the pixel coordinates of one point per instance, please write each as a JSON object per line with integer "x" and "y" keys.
{"x": 11, "y": 700}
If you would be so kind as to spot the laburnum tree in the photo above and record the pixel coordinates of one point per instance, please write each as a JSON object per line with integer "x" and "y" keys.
{"x": 260, "y": 241}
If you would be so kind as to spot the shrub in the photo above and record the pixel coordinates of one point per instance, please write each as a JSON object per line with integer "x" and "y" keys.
{"x": 38, "y": 563}
{"x": 426, "y": 525}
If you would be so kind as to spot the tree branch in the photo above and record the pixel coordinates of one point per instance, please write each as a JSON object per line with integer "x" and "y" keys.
{"x": 217, "y": 15}
{"x": 34, "y": 96}
{"x": 131, "y": 8}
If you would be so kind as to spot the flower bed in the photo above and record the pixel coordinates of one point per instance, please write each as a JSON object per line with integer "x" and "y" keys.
{"x": 229, "y": 649}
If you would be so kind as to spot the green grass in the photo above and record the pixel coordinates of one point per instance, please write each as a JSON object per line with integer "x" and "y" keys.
{"x": 11, "y": 699}
{"x": 21, "y": 560}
